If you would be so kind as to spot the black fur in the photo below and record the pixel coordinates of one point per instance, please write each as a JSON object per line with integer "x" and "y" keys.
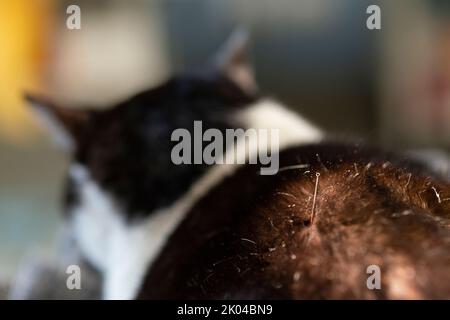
{"x": 127, "y": 148}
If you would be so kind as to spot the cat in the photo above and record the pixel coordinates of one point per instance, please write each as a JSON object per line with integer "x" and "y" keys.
{"x": 158, "y": 230}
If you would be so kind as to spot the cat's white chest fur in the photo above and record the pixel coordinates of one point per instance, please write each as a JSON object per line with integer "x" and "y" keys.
{"x": 125, "y": 250}
{"x": 121, "y": 250}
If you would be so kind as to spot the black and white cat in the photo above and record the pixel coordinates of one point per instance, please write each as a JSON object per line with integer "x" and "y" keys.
{"x": 159, "y": 230}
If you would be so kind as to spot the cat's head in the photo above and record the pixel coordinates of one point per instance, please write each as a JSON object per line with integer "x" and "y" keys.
{"x": 125, "y": 150}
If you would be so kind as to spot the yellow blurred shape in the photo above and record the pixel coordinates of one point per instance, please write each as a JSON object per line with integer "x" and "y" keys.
{"x": 24, "y": 31}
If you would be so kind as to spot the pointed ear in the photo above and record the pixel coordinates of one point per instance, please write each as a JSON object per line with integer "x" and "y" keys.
{"x": 65, "y": 125}
{"x": 232, "y": 60}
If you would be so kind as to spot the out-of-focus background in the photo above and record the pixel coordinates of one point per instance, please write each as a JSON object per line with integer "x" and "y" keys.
{"x": 390, "y": 86}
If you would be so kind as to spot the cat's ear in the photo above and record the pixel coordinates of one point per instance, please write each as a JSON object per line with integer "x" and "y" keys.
{"x": 233, "y": 61}
{"x": 65, "y": 125}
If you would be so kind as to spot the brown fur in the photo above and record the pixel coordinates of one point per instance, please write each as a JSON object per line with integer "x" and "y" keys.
{"x": 253, "y": 236}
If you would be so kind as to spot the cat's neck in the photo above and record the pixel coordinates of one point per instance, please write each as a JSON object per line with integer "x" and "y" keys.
{"x": 138, "y": 245}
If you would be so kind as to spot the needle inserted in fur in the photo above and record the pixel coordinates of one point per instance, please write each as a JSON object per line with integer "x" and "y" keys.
{"x": 313, "y": 213}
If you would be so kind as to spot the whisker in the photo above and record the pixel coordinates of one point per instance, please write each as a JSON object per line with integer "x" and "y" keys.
{"x": 407, "y": 183}
{"x": 287, "y": 194}
{"x": 438, "y": 196}
{"x": 293, "y": 167}
{"x": 248, "y": 240}
{"x": 356, "y": 170}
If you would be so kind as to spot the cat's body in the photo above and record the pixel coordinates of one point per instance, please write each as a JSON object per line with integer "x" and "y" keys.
{"x": 160, "y": 230}
{"x": 259, "y": 242}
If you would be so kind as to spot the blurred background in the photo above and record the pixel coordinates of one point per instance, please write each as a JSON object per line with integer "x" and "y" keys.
{"x": 390, "y": 86}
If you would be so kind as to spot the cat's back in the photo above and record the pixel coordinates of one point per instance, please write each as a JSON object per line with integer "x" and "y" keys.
{"x": 331, "y": 214}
